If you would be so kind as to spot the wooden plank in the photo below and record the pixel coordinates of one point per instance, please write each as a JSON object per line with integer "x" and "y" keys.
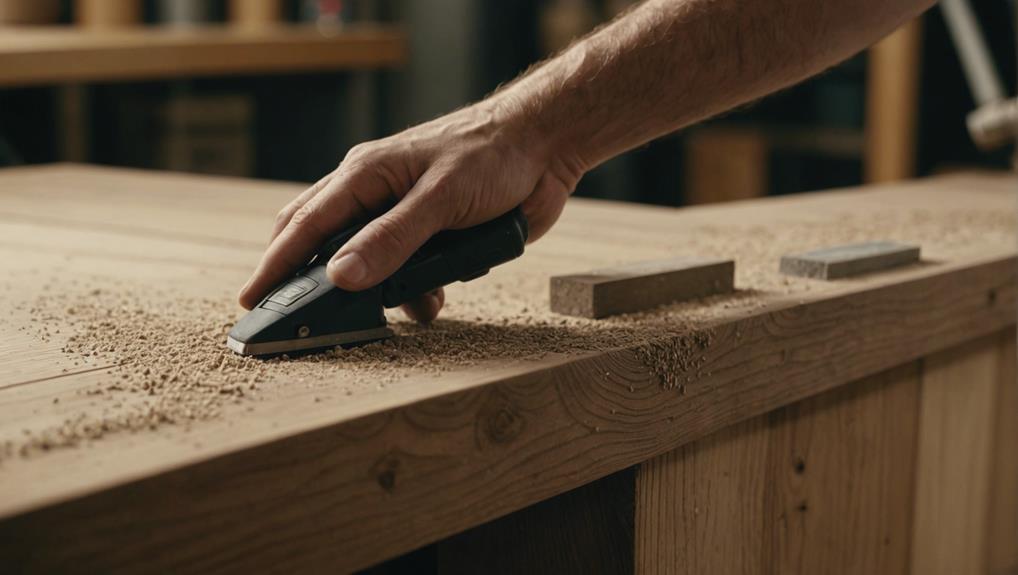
{"x": 953, "y": 470}
{"x": 379, "y": 470}
{"x": 700, "y": 508}
{"x": 255, "y": 13}
{"x": 640, "y": 286}
{"x": 726, "y": 163}
{"x": 107, "y": 14}
{"x": 851, "y": 260}
{"x": 892, "y": 105}
{"x": 1002, "y": 530}
{"x": 841, "y": 478}
{"x": 822, "y": 486}
{"x": 60, "y": 55}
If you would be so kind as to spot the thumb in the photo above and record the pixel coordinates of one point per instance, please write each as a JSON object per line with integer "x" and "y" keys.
{"x": 378, "y": 250}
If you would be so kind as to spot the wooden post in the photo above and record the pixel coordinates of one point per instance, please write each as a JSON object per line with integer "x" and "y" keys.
{"x": 255, "y": 13}
{"x": 107, "y": 13}
{"x": 726, "y": 163}
{"x": 73, "y": 126}
{"x": 892, "y": 101}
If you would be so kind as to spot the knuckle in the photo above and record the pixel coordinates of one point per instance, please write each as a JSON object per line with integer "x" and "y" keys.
{"x": 451, "y": 205}
{"x": 305, "y": 218}
{"x": 284, "y": 215}
{"x": 393, "y": 235}
{"x": 359, "y": 153}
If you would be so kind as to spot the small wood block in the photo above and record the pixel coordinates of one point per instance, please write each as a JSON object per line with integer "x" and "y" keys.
{"x": 640, "y": 286}
{"x": 849, "y": 260}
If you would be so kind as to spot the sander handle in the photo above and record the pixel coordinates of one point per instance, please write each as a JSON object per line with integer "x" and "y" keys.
{"x": 457, "y": 255}
{"x": 449, "y": 256}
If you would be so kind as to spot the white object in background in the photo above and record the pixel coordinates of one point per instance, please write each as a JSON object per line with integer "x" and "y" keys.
{"x": 994, "y": 122}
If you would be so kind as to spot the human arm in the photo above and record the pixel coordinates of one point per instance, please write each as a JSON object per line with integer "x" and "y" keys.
{"x": 664, "y": 65}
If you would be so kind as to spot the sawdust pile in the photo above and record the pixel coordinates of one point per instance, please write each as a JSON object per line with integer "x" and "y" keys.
{"x": 171, "y": 366}
{"x": 167, "y": 362}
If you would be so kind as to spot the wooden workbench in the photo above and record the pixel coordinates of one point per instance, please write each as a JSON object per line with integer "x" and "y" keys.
{"x": 796, "y": 426}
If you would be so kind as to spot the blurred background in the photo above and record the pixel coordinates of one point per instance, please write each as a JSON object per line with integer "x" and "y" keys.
{"x": 280, "y": 89}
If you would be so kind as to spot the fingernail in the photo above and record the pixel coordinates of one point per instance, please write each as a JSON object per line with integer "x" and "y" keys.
{"x": 350, "y": 267}
{"x": 243, "y": 291}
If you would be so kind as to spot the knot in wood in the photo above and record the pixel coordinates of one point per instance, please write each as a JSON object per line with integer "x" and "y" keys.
{"x": 384, "y": 471}
{"x": 501, "y": 424}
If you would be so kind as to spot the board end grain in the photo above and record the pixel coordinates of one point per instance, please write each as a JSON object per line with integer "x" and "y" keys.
{"x": 640, "y": 286}
{"x": 849, "y": 260}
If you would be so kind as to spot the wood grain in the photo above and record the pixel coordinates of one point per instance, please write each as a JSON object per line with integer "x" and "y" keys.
{"x": 953, "y": 472}
{"x": 1002, "y": 530}
{"x": 54, "y": 55}
{"x": 822, "y": 486}
{"x": 345, "y": 484}
{"x": 892, "y": 104}
{"x": 700, "y": 508}
{"x": 841, "y": 474}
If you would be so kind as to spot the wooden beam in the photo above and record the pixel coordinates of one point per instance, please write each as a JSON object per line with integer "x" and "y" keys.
{"x": 954, "y": 459}
{"x": 640, "y": 286}
{"x": 892, "y": 105}
{"x": 107, "y": 14}
{"x": 1002, "y": 530}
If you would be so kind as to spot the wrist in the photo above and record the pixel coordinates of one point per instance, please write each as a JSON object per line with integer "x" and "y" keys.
{"x": 529, "y": 125}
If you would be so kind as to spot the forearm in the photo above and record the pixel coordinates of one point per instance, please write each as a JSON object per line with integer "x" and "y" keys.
{"x": 670, "y": 63}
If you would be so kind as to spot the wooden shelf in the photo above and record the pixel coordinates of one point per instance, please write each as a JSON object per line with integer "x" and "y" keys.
{"x": 33, "y": 56}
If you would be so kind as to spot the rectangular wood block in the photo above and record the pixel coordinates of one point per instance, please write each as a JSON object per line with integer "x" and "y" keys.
{"x": 640, "y": 286}
{"x": 849, "y": 260}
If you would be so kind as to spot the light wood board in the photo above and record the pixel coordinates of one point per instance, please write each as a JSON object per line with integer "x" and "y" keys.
{"x": 823, "y": 486}
{"x": 33, "y": 56}
{"x": 360, "y": 477}
{"x": 954, "y": 480}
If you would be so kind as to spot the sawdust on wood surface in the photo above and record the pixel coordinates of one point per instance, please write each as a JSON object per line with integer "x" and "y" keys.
{"x": 171, "y": 367}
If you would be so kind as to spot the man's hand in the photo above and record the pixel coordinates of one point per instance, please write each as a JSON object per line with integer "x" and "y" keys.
{"x": 454, "y": 172}
{"x": 662, "y": 66}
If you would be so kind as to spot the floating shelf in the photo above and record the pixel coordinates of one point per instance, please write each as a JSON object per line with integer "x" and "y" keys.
{"x": 52, "y": 55}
